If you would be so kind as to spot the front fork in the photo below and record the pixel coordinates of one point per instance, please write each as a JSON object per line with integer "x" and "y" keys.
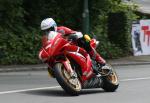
{"x": 50, "y": 72}
{"x": 67, "y": 66}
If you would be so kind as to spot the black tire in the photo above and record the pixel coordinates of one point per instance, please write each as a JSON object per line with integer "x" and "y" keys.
{"x": 60, "y": 74}
{"x": 110, "y": 82}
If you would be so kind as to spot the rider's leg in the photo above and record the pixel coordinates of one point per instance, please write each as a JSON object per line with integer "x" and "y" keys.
{"x": 96, "y": 56}
{"x": 82, "y": 42}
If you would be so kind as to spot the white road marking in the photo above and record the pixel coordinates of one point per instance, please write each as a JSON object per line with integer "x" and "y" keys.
{"x": 135, "y": 79}
{"x": 25, "y": 90}
{"x": 43, "y": 88}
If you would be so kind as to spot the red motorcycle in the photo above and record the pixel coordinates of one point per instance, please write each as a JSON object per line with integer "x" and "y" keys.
{"x": 73, "y": 68}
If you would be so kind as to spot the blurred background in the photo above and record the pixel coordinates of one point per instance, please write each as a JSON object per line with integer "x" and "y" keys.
{"x": 110, "y": 20}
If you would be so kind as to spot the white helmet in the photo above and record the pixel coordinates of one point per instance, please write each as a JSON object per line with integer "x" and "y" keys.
{"x": 48, "y": 24}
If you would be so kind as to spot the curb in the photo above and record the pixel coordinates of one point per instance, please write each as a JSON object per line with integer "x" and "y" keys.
{"x": 19, "y": 68}
{"x": 42, "y": 67}
{"x": 133, "y": 63}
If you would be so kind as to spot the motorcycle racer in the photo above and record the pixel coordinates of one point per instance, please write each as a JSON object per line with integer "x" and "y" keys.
{"x": 49, "y": 25}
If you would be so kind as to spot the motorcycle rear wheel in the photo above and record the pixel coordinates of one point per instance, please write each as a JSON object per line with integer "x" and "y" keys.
{"x": 111, "y": 81}
{"x": 71, "y": 86}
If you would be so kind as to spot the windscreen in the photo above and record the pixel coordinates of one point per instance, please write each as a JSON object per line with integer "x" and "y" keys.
{"x": 52, "y": 35}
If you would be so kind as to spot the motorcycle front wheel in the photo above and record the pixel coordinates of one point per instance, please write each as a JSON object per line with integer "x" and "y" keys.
{"x": 110, "y": 81}
{"x": 70, "y": 84}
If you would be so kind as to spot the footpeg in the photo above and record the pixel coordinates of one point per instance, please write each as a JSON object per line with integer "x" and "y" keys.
{"x": 105, "y": 70}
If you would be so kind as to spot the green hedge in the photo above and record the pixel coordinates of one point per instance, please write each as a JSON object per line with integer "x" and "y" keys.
{"x": 20, "y": 26}
{"x": 20, "y": 38}
{"x": 112, "y": 25}
{"x": 19, "y": 49}
{"x": 119, "y": 30}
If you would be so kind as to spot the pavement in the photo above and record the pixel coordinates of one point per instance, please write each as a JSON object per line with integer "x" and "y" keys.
{"x": 131, "y": 60}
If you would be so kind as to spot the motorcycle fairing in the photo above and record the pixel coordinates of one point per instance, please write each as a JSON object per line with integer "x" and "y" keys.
{"x": 82, "y": 58}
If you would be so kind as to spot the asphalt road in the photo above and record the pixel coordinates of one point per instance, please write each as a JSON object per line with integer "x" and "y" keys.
{"x": 37, "y": 87}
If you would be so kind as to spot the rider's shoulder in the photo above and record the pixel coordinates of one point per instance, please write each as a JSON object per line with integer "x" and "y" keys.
{"x": 63, "y": 27}
{"x": 65, "y": 30}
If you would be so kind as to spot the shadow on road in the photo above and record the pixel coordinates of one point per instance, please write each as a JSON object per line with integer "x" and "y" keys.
{"x": 47, "y": 92}
{"x": 61, "y": 93}
{"x": 91, "y": 91}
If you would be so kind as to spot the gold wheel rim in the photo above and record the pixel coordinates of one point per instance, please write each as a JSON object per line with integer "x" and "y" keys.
{"x": 67, "y": 76}
{"x": 113, "y": 78}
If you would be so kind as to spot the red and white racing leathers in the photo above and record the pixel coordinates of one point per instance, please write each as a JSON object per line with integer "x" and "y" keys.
{"x": 43, "y": 55}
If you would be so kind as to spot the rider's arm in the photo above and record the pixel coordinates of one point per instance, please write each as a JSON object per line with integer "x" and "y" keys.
{"x": 64, "y": 30}
{"x": 69, "y": 34}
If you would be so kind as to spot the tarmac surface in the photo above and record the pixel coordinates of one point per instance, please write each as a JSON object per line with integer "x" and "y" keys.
{"x": 131, "y": 60}
{"x": 38, "y": 87}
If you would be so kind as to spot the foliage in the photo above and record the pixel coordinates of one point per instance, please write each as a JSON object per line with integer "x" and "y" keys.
{"x": 118, "y": 23}
{"x": 20, "y": 25}
{"x": 20, "y": 22}
{"x": 19, "y": 48}
{"x": 112, "y": 26}
{"x": 106, "y": 48}
{"x": 65, "y": 12}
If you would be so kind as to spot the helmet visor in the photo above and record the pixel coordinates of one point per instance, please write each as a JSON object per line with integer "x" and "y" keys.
{"x": 46, "y": 32}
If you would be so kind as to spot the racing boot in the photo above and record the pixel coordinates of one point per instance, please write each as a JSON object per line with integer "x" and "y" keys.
{"x": 103, "y": 68}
